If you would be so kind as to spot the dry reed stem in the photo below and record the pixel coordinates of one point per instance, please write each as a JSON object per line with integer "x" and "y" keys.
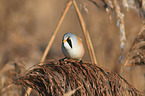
{"x": 130, "y": 50}
{"x": 86, "y": 34}
{"x": 52, "y": 39}
{"x": 56, "y": 30}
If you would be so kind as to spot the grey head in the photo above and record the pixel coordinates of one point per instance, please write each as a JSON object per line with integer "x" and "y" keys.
{"x": 70, "y": 38}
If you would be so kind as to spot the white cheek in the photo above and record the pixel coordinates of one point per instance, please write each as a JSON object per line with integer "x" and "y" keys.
{"x": 66, "y": 45}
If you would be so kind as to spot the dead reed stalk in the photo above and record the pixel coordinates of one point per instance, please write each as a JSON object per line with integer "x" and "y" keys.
{"x": 56, "y": 30}
{"x": 86, "y": 34}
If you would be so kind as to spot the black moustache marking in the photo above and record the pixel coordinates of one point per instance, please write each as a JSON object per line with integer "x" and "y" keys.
{"x": 69, "y": 42}
{"x": 63, "y": 45}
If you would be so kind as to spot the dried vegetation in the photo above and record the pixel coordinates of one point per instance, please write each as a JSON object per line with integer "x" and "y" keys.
{"x": 65, "y": 76}
{"x": 59, "y": 77}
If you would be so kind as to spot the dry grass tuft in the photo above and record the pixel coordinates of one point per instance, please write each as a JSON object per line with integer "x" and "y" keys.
{"x": 9, "y": 73}
{"x": 136, "y": 54}
{"x": 58, "y": 77}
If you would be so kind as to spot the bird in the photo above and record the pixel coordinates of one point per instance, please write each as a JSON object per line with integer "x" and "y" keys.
{"x": 72, "y": 46}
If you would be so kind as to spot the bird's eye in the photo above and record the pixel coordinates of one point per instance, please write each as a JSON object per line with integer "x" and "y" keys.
{"x": 69, "y": 41}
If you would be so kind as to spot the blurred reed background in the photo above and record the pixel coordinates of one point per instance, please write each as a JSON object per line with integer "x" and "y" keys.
{"x": 26, "y": 27}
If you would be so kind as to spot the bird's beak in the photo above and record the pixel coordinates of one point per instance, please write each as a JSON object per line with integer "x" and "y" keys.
{"x": 64, "y": 40}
